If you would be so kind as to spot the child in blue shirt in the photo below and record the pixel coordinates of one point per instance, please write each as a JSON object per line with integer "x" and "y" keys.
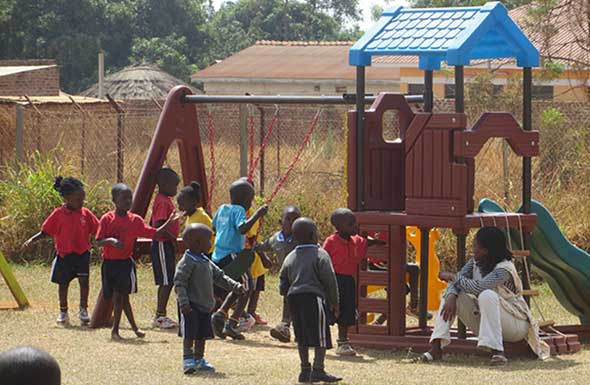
{"x": 231, "y": 225}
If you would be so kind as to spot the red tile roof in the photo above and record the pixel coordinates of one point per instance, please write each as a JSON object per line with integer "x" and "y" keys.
{"x": 570, "y": 43}
{"x": 296, "y": 60}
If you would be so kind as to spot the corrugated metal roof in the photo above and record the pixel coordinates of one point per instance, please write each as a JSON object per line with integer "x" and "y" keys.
{"x": 11, "y": 70}
{"x": 63, "y": 98}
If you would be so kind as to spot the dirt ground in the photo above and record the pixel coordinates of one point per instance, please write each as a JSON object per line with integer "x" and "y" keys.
{"x": 89, "y": 356}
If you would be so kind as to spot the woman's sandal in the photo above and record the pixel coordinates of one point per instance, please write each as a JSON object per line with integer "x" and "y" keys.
{"x": 498, "y": 360}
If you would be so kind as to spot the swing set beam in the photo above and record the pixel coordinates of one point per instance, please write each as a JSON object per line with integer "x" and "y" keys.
{"x": 287, "y": 99}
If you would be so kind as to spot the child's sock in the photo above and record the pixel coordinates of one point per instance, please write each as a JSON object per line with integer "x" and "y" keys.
{"x": 318, "y": 359}
{"x": 160, "y": 314}
{"x": 187, "y": 348}
{"x": 304, "y": 357}
{"x": 233, "y": 323}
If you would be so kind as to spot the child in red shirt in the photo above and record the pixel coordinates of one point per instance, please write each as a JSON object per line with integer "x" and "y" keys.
{"x": 117, "y": 232}
{"x": 163, "y": 252}
{"x": 346, "y": 249}
{"x": 70, "y": 225}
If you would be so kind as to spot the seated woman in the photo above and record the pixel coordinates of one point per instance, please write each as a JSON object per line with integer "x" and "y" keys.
{"x": 487, "y": 297}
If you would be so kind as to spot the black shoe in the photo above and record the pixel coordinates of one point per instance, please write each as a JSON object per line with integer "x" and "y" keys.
{"x": 234, "y": 333}
{"x": 218, "y": 322}
{"x": 322, "y": 376}
{"x": 305, "y": 376}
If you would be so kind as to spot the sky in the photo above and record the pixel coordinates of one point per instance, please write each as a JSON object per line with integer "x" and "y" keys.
{"x": 365, "y": 6}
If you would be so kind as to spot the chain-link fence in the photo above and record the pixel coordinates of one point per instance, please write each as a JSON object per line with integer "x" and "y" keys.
{"x": 105, "y": 144}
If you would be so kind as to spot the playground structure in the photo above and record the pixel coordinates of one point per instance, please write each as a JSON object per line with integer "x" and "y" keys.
{"x": 426, "y": 178}
{"x": 178, "y": 123}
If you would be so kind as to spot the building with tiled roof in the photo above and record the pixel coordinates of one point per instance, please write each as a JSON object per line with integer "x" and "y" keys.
{"x": 271, "y": 67}
{"x": 293, "y": 68}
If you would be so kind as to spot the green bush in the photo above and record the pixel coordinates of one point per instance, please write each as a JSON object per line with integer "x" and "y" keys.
{"x": 27, "y": 197}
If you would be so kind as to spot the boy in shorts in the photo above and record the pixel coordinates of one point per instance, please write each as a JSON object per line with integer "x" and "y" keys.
{"x": 193, "y": 282}
{"x": 346, "y": 249}
{"x": 231, "y": 225}
{"x": 117, "y": 232}
{"x": 163, "y": 252}
{"x": 308, "y": 281}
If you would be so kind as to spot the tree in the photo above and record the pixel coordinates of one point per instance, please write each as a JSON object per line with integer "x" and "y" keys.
{"x": 238, "y": 25}
{"x": 510, "y": 4}
{"x": 169, "y": 53}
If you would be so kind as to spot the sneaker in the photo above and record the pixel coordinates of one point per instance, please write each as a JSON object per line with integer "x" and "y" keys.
{"x": 189, "y": 365}
{"x": 246, "y": 323}
{"x": 414, "y": 312}
{"x": 305, "y": 376}
{"x": 83, "y": 315}
{"x": 322, "y": 376}
{"x": 345, "y": 350}
{"x": 63, "y": 318}
{"x": 281, "y": 333}
{"x": 233, "y": 333}
{"x": 259, "y": 319}
{"x": 164, "y": 323}
{"x": 218, "y": 322}
{"x": 204, "y": 366}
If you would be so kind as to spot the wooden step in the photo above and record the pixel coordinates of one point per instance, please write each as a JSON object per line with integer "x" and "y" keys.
{"x": 521, "y": 253}
{"x": 530, "y": 293}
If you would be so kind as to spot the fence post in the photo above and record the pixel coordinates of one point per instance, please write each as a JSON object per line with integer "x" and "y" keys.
{"x": 82, "y": 136}
{"x": 120, "y": 133}
{"x": 262, "y": 134}
{"x": 36, "y": 122}
{"x": 243, "y": 140}
{"x": 19, "y": 132}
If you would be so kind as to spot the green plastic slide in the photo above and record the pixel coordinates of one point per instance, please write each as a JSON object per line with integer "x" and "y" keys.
{"x": 564, "y": 266}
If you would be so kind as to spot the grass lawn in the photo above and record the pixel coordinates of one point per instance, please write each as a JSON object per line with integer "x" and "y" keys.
{"x": 89, "y": 357}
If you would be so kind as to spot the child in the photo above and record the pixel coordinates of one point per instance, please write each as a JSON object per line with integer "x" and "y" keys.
{"x": 117, "y": 232}
{"x": 189, "y": 200}
{"x": 308, "y": 282}
{"x": 193, "y": 282}
{"x": 230, "y": 225}
{"x": 163, "y": 253}
{"x": 346, "y": 250}
{"x": 71, "y": 226}
{"x": 258, "y": 270}
{"x": 281, "y": 244}
{"x": 28, "y": 365}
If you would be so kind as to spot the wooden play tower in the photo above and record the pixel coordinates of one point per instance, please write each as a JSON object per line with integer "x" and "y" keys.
{"x": 426, "y": 177}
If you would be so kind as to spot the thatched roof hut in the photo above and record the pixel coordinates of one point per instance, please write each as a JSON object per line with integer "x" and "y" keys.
{"x": 138, "y": 82}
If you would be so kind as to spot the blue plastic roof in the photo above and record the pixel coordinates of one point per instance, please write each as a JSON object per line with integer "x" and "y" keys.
{"x": 454, "y": 35}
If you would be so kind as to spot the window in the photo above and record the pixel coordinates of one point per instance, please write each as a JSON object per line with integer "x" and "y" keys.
{"x": 390, "y": 125}
{"x": 449, "y": 91}
{"x": 316, "y": 88}
{"x": 340, "y": 89}
{"x": 415, "y": 89}
{"x": 543, "y": 92}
